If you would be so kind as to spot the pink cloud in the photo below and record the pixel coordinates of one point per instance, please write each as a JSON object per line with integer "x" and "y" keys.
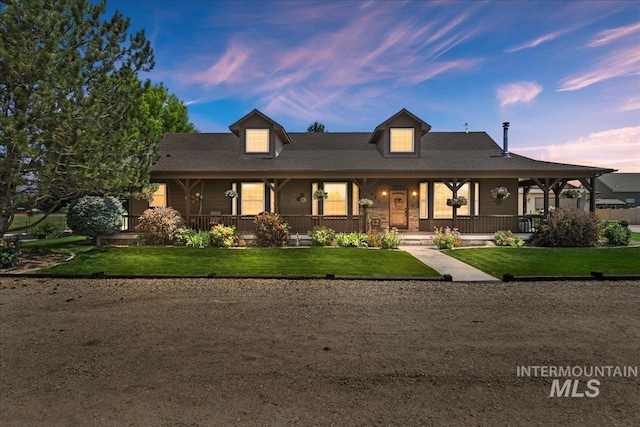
{"x": 229, "y": 68}
{"x": 620, "y": 63}
{"x": 608, "y": 36}
{"x": 518, "y": 92}
{"x": 535, "y": 42}
{"x": 615, "y": 148}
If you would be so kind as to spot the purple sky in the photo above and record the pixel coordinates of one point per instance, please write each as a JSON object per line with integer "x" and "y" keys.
{"x": 565, "y": 74}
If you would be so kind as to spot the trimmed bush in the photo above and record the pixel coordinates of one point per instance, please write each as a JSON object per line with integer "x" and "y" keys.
{"x": 159, "y": 225}
{"x": 199, "y": 239}
{"x": 271, "y": 230}
{"x": 46, "y": 230}
{"x": 568, "y": 227}
{"x": 616, "y": 233}
{"x": 9, "y": 253}
{"x": 321, "y": 236}
{"x": 391, "y": 239}
{"x": 224, "y": 236}
{"x": 507, "y": 238}
{"x": 95, "y": 216}
{"x": 446, "y": 238}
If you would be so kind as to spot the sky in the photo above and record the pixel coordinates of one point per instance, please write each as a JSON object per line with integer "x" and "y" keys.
{"x": 566, "y": 75}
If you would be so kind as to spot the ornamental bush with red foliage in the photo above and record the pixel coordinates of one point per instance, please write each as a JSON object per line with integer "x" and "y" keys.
{"x": 9, "y": 253}
{"x": 271, "y": 230}
{"x": 568, "y": 227}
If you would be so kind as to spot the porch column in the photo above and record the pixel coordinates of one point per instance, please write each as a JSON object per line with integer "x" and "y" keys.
{"x": 590, "y": 185}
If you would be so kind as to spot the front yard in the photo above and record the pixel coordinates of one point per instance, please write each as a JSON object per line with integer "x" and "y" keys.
{"x": 528, "y": 261}
{"x": 181, "y": 261}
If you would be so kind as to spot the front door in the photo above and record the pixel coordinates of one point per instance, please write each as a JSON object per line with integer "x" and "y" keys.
{"x": 398, "y": 209}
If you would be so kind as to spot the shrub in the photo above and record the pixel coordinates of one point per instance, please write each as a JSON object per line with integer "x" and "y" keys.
{"x": 356, "y": 240}
{"x": 183, "y": 234}
{"x": 160, "y": 225}
{"x": 374, "y": 239}
{"x": 9, "y": 253}
{"x": 321, "y": 236}
{"x": 95, "y": 216}
{"x": 616, "y": 233}
{"x": 568, "y": 227}
{"x": 271, "y": 230}
{"x": 199, "y": 239}
{"x": 391, "y": 239}
{"x": 446, "y": 238}
{"x": 224, "y": 236}
{"x": 46, "y": 230}
{"x": 507, "y": 238}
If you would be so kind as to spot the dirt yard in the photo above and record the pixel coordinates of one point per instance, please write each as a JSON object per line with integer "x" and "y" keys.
{"x": 213, "y": 352}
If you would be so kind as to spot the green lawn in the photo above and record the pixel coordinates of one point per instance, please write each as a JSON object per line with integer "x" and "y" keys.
{"x": 551, "y": 261}
{"x": 635, "y": 237}
{"x": 181, "y": 261}
{"x": 23, "y": 219}
{"x": 64, "y": 244}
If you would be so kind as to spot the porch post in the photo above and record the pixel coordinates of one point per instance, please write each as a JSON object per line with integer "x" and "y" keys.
{"x": 592, "y": 198}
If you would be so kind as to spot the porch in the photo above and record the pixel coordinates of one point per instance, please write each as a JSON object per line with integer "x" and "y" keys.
{"x": 302, "y": 224}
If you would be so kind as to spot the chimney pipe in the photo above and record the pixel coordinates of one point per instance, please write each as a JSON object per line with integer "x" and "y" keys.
{"x": 505, "y": 140}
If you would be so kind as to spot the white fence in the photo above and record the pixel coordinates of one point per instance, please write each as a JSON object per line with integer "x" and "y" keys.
{"x": 633, "y": 215}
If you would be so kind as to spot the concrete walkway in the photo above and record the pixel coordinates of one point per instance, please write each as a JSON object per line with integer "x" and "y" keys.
{"x": 444, "y": 264}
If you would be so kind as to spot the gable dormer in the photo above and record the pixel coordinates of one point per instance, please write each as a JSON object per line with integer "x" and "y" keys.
{"x": 259, "y": 136}
{"x": 400, "y": 135}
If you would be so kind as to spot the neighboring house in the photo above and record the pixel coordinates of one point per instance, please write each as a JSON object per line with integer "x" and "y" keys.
{"x": 618, "y": 190}
{"x": 407, "y": 171}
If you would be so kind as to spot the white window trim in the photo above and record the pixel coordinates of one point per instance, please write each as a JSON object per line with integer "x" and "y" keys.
{"x": 423, "y": 195}
{"x": 346, "y": 200}
{"x": 242, "y": 208}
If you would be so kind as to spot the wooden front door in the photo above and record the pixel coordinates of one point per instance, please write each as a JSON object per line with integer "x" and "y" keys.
{"x": 398, "y": 215}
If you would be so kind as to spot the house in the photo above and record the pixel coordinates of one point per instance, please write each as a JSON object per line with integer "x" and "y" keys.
{"x": 409, "y": 172}
{"x": 618, "y": 190}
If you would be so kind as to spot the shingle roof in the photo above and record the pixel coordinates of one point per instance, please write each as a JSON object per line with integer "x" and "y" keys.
{"x": 622, "y": 182}
{"x": 451, "y": 153}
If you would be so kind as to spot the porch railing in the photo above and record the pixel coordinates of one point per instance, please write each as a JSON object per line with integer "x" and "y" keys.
{"x": 492, "y": 223}
{"x": 245, "y": 224}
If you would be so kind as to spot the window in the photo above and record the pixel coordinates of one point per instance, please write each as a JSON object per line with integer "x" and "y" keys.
{"x": 401, "y": 140}
{"x": 252, "y": 198}
{"x": 314, "y": 201}
{"x": 257, "y": 141}
{"x": 424, "y": 197}
{"x": 355, "y": 199}
{"x": 159, "y": 197}
{"x": 336, "y": 201}
{"x": 440, "y": 195}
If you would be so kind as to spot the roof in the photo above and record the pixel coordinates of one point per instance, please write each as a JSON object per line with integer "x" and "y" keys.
{"x": 621, "y": 182}
{"x": 424, "y": 126}
{"x": 461, "y": 154}
{"x": 609, "y": 202}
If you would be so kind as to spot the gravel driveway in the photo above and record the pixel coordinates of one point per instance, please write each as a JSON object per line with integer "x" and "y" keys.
{"x": 215, "y": 352}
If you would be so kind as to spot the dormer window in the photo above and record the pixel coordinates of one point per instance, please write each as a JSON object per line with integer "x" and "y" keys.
{"x": 257, "y": 140}
{"x": 401, "y": 140}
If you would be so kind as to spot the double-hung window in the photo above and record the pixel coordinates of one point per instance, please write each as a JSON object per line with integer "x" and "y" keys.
{"x": 252, "y": 198}
{"x": 159, "y": 197}
{"x": 440, "y": 195}
{"x": 336, "y": 201}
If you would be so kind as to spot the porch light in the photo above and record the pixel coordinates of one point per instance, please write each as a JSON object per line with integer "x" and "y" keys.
{"x": 414, "y": 193}
{"x": 384, "y": 193}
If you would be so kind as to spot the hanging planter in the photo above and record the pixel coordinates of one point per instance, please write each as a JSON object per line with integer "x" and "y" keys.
{"x": 365, "y": 203}
{"x": 571, "y": 194}
{"x": 320, "y": 194}
{"x": 231, "y": 193}
{"x": 500, "y": 193}
{"x": 456, "y": 202}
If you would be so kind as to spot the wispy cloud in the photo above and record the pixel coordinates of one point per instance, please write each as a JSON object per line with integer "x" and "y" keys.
{"x": 615, "y": 148}
{"x": 539, "y": 40}
{"x": 608, "y": 36}
{"x": 345, "y": 58}
{"x": 518, "y": 92}
{"x": 631, "y": 104}
{"x": 620, "y": 63}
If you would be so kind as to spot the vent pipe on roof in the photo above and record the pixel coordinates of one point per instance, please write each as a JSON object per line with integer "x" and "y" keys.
{"x": 505, "y": 140}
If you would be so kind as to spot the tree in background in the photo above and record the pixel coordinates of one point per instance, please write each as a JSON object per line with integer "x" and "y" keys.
{"x": 75, "y": 119}
{"x": 316, "y": 127}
